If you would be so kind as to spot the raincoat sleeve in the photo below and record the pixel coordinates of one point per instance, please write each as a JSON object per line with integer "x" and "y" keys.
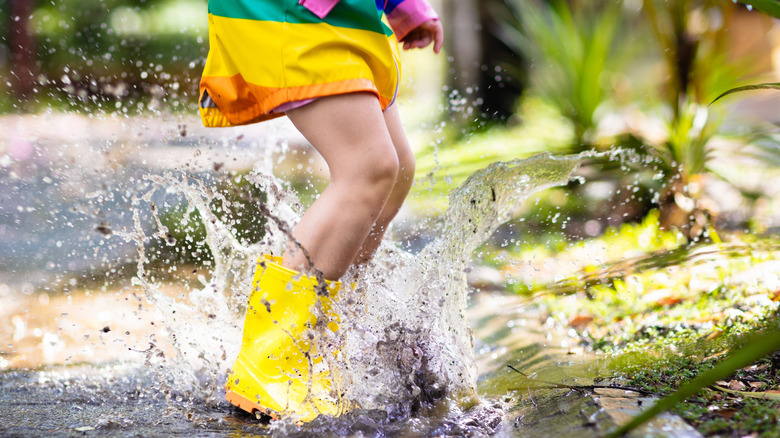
{"x": 406, "y": 15}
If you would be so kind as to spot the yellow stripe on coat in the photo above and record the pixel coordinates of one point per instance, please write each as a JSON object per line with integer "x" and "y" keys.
{"x": 255, "y": 66}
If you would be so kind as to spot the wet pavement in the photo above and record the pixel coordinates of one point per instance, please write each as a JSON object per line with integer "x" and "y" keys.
{"x": 119, "y": 391}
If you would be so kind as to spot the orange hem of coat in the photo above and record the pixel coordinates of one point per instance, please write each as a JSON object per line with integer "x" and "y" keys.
{"x": 224, "y": 116}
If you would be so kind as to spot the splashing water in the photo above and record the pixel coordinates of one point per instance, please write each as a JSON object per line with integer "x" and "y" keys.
{"x": 404, "y": 343}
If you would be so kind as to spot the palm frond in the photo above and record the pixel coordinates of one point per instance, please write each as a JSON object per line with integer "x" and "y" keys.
{"x": 764, "y": 86}
{"x": 770, "y": 7}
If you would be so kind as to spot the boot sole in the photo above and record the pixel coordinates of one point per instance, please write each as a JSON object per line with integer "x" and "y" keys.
{"x": 250, "y": 406}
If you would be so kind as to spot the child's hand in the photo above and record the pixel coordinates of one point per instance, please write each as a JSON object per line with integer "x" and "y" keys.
{"x": 424, "y": 34}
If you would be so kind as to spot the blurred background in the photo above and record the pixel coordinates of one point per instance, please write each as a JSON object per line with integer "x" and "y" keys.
{"x": 94, "y": 94}
{"x": 564, "y": 76}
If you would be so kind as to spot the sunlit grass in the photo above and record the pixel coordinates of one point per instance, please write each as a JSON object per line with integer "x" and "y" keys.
{"x": 529, "y": 267}
{"x": 636, "y": 283}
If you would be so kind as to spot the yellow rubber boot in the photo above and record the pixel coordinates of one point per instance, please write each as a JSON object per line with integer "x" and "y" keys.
{"x": 272, "y": 371}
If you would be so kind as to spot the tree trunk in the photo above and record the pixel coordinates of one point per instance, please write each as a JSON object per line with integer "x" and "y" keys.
{"x": 498, "y": 89}
{"x": 22, "y": 49}
{"x": 462, "y": 39}
{"x": 476, "y": 62}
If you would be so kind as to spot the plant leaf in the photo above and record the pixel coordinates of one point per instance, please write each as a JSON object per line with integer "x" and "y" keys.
{"x": 770, "y": 7}
{"x": 767, "y": 395}
{"x": 759, "y": 346}
{"x": 765, "y": 86}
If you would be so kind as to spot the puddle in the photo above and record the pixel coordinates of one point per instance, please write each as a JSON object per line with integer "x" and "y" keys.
{"x": 86, "y": 356}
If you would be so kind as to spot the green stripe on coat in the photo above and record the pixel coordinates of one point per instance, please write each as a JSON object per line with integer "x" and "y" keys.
{"x": 351, "y": 14}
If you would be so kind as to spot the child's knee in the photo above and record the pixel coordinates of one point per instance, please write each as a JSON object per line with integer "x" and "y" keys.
{"x": 372, "y": 186}
{"x": 382, "y": 169}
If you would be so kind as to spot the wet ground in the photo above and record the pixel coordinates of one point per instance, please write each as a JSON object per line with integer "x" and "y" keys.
{"x": 97, "y": 400}
{"x": 107, "y": 383}
{"x": 121, "y": 400}
{"x": 81, "y": 359}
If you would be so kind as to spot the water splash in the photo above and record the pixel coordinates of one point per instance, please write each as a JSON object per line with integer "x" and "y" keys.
{"x": 404, "y": 343}
{"x": 411, "y": 317}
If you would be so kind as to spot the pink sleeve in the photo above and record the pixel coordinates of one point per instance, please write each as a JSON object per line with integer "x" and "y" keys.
{"x": 320, "y": 8}
{"x": 408, "y": 15}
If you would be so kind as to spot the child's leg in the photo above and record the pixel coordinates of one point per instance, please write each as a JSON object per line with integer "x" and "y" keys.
{"x": 402, "y": 184}
{"x": 351, "y": 134}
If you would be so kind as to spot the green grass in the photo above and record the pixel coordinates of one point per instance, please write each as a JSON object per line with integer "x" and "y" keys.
{"x": 721, "y": 397}
{"x": 674, "y": 317}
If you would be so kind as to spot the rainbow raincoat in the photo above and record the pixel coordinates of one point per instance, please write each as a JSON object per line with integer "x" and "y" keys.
{"x": 267, "y": 55}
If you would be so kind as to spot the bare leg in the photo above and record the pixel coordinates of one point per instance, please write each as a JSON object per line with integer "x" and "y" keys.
{"x": 401, "y": 188}
{"x": 351, "y": 134}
